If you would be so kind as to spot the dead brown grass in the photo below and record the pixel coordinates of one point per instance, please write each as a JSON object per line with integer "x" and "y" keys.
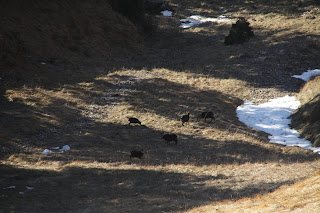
{"x": 309, "y": 91}
{"x": 299, "y": 197}
{"x": 306, "y": 118}
{"x": 214, "y": 164}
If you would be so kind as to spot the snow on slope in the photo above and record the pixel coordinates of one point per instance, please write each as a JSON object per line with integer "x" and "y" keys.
{"x": 272, "y": 117}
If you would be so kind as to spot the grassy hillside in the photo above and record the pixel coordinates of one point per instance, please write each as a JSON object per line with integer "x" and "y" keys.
{"x": 63, "y": 36}
{"x": 72, "y": 73}
{"x": 299, "y": 197}
{"x": 307, "y": 118}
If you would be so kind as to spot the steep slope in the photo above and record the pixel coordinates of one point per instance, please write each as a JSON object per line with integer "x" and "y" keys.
{"x": 83, "y": 95}
{"x": 307, "y": 118}
{"x": 46, "y": 44}
{"x": 299, "y": 197}
{"x": 59, "y": 34}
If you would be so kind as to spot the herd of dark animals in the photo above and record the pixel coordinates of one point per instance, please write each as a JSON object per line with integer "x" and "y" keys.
{"x": 240, "y": 32}
{"x": 169, "y": 137}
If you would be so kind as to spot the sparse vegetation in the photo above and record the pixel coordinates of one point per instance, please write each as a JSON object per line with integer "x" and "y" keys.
{"x": 205, "y": 115}
{"x": 78, "y": 70}
{"x": 306, "y": 119}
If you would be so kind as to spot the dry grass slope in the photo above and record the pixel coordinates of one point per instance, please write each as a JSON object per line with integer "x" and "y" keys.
{"x": 306, "y": 119}
{"x": 299, "y": 197}
{"x": 87, "y": 106}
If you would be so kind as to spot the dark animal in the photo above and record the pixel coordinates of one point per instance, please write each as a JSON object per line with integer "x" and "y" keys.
{"x": 134, "y": 121}
{"x": 206, "y": 115}
{"x": 170, "y": 137}
{"x": 185, "y": 119}
{"x": 136, "y": 154}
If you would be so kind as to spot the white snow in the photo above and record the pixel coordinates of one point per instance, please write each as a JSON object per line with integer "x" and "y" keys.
{"x": 63, "y": 149}
{"x": 57, "y": 147}
{"x": 47, "y": 152}
{"x": 166, "y": 13}
{"x": 272, "y": 117}
{"x": 21, "y": 192}
{"x": 10, "y": 187}
{"x": 307, "y": 75}
{"x": 197, "y": 19}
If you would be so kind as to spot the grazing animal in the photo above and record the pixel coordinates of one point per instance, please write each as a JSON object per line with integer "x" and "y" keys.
{"x": 185, "y": 118}
{"x": 136, "y": 154}
{"x": 134, "y": 121}
{"x": 206, "y": 115}
{"x": 170, "y": 137}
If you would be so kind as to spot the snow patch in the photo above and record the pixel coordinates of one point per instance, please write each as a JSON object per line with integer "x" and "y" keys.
{"x": 197, "y": 19}
{"x": 20, "y": 192}
{"x": 63, "y": 149}
{"x": 306, "y": 76}
{"x": 47, "y": 152}
{"x": 272, "y": 117}
{"x": 10, "y": 187}
{"x": 166, "y": 13}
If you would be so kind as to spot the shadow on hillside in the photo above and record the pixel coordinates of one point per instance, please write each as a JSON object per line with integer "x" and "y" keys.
{"x": 267, "y": 60}
{"x": 177, "y": 50}
{"x": 112, "y": 143}
{"x": 258, "y": 62}
{"x": 107, "y": 190}
{"x": 199, "y": 52}
{"x": 171, "y": 100}
{"x": 108, "y": 142}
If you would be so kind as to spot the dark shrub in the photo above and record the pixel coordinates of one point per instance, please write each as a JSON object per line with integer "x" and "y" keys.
{"x": 240, "y": 32}
{"x": 134, "y": 10}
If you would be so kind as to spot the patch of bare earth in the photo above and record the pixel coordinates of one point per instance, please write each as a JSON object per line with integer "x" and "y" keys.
{"x": 214, "y": 163}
